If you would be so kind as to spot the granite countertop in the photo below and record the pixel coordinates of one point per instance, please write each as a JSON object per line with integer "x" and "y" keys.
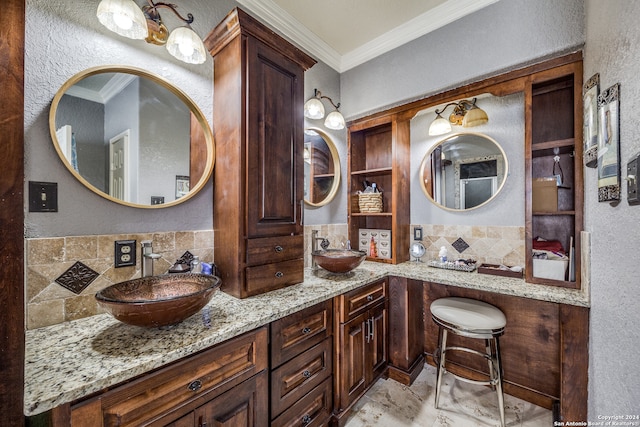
{"x": 71, "y": 360}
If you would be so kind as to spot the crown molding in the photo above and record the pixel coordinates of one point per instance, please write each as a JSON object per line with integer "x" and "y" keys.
{"x": 113, "y": 87}
{"x": 287, "y": 25}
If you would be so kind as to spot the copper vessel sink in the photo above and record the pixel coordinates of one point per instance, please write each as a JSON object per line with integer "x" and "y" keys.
{"x": 338, "y": 260}
{"x": 158, "y": 300}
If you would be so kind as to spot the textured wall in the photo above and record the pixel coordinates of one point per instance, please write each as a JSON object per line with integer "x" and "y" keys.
{"x": 613, "y": 50}
{"x": 506, "y": 126}
{"x": 63, "y": 38}
{"x": 499, "y": 37}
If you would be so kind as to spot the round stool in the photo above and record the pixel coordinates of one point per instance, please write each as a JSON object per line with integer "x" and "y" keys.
{"x": 472, "y": 319}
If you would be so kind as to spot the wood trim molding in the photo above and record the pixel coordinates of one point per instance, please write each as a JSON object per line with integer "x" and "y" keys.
{"x": 12, "y": 29}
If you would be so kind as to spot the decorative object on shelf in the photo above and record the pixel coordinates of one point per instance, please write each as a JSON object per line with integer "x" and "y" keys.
{"x": 459, "y": 265}
{"x": 465, "y": 113}
{"x": 590, "y": 132}
{"x": 609, "y": 145}
{"x": 370, "y": 202}
{"x": 314, "y": 109}
{"x": 417, "y": 251}
{"x": 124, "y": 17}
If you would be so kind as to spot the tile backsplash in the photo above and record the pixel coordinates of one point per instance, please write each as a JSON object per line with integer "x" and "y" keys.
{"x": 485, "y": 244}
{"x": 47, "y": 259}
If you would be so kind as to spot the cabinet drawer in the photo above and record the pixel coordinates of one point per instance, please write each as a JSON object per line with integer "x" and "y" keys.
{"x": 274, "y": 249}
{"x": 354, "y": 302}
{"x": 312, "y": 410}
{"x": 299, "y": 331}
{"x": 206, "y": 374}
{"x": 268, "y": 277}
{"x": 293, "y": 380}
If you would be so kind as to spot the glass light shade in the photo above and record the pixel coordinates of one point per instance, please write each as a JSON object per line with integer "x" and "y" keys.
{"x": 474, "y": 117}
{"x": 313, "y": 109}
{"x": 439, "y": 126}
{"x": 335, "y": 121}
{"x": 123, "y": 17}
{"x": 184, "y": 44}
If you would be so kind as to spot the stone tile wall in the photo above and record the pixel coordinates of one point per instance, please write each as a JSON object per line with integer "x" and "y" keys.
{"x": 487, "y": 244}
{"x": 335, "y": 233}
{"x": 49, "y": 303}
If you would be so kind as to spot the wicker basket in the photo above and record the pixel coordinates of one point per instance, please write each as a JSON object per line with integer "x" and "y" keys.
{"x": 370, "y": 202}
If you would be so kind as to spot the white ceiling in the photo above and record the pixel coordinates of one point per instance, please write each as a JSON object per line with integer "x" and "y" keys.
{"x": 347, "y": 33}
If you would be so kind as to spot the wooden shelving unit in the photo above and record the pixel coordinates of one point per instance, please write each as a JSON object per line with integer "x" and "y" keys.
{"x": 379, "y": 152}
{"x": 553, "y": 127}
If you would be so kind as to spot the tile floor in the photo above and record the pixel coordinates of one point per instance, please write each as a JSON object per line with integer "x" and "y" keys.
{"x": 391, "y": 404}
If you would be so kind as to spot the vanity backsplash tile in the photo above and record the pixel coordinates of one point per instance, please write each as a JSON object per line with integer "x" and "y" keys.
{"x": 48, "y": 259}
{"x": 486, "y": 244}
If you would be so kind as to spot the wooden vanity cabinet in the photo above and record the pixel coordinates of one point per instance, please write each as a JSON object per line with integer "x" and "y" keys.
{"x": 226, "y": 385}
{"x": 301, "y": 367}
{"x": 258, "y": 123}
{"x": 361, "y": 354}
{"x": 553, "y": 127}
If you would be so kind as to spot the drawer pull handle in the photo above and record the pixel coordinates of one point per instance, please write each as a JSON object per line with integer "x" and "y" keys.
{"x": 195, "y": 385}
{"x": 369, "y": 297}
{"x": 306, "y": 374}
{"x": 306, "y": 331}
{"x": 279, "y": 274}
{"x": 279, "y": 248}
{"x": 306, "y": 419}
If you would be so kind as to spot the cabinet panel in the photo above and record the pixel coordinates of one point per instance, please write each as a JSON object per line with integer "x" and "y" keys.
{"x": 358, "y": 300}
{"x": 274, "y": 249}
{"x": 243, "y": 406}
{"x": 162, "y": 392}
{"x": 268, "y": 277}
{"x": 275, "y": 166}
{"x": 297, "y": 332}
{"x": 293, "y": 380}
{"x": 378, "y": 341}
{"x": 311, "y": 411}
{"x": 352, "y": 365}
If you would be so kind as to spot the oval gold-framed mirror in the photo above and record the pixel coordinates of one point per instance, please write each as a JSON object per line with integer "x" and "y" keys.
{"x": 464, "y": 171}
{"x": 132, "y": 137}
{"x": 321, "y": 167}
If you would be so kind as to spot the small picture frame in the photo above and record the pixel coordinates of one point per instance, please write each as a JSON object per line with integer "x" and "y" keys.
{"x": 591, "y": 91}
{"x": 609, "y": 144}
{"x": 182, "y": 185}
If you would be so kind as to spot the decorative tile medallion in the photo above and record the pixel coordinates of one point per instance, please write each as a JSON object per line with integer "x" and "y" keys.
{"x": 186, "y": 258}
{"x": 460, "y": 245}
{"x": 77, "y": 277}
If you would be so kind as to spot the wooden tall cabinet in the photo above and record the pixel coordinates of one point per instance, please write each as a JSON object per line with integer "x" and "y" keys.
{"x": 259, "y": 175}
{"x": 379, "y": 152}
{"x": 553, "y": 147}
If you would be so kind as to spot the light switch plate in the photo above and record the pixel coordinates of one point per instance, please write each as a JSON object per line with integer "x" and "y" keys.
{"x": 417, "y": 233}
{"x": 43, "y": 196}
{"x": 124, "y": 253}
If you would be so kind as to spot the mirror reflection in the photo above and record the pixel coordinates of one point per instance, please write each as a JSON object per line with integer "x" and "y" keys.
{"x": 463, "y": 171}
{"x": 132, "y": 137}
{"x": 321, "y": 167}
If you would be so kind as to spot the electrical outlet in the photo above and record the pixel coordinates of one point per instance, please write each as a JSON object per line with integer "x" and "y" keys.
{"x": 124, "y": 253}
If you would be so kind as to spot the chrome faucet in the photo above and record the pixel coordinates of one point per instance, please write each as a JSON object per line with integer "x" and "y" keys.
{"x": 148, "y": 257}
{"x": 324, "y": 244}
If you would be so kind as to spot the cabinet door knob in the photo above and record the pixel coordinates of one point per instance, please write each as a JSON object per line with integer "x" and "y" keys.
{"x": 306, "y": 419}
{"x": 195, "y": 385}
{"x": 306, "y": 331}
{"x": 369, "y": 297}
{"x": 279, "y": 274}
{"x": 306, "y": 374}
{"x": 278, "y": 248}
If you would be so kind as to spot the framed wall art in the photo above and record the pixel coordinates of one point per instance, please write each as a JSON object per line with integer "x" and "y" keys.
{"x": 591, "y": 91}
{"x": 182, "y": 185}
{"x": 609, "y": 144}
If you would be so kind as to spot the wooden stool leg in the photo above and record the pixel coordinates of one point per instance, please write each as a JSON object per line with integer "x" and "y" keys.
{"x": 442, "y": 346}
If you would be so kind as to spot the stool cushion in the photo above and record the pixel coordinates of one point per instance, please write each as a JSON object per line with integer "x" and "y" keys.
{"x": 468, "y": 314}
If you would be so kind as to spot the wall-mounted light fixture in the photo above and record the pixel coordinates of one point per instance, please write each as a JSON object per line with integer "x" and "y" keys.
{"x": 126, "y": 18}
{"x": 465, "y": 113}
{"x": 314, "y": 109}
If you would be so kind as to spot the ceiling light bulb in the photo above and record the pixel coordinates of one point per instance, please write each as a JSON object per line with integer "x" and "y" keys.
{"x": 123, "y": 17}
{"x": 335, "y": 121}
{"x": 184, "y": 44}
